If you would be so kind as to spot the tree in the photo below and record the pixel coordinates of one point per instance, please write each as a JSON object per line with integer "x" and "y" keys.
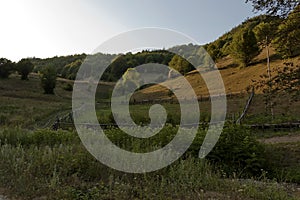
{"x": 265, "y": 33}
{"x": 288, "y": 35}
{"x": 286, "y": 81}
{"x": 6, "y": 67}
{"x": 274, "y": 7}
{"x": 48, "y": 80}
{"x": 131, "y": 80}
{"x": 118, "y": 66}
{"x": 71, "y": 69}
{"x": 214, "y": 49}
{"x": 24, "y": 67}
{"x": 181, "y": 65}
{"x": 244, "y": 46}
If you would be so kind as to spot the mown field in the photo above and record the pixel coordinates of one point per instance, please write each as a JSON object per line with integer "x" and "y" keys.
{"x": 39, "y": 163}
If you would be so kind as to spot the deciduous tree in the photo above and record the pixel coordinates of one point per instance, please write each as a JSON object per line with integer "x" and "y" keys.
{"x": 48, "y": 80}
{"x": 6, "y": 67}
{"x": 24, "y": 67}
{"x": 274, "y": 7}
{"x": 244, "y": 47}
{"x": 180, "y": 64}
{"x": 288, "y": 36}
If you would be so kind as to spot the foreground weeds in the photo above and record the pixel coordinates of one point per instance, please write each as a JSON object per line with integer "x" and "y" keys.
{"x": 55, "y": 165}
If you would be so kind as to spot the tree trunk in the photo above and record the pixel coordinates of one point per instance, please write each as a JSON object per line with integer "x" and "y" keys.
{"x": 269, "y": 74}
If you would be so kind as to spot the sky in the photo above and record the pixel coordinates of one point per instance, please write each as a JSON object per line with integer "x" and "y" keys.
{"x": 47, "y": 28}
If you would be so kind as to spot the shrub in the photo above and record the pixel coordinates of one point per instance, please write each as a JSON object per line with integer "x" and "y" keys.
{"x": 24, "y": 67}
{"x": 236, "y": 152}
{"x": 41, "y": 137}
{"x": 6, "y": 67}
{"x": 48, "y": 80}
{"x": 244, "y": 47}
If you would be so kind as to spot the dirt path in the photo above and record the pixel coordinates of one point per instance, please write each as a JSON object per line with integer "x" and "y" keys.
{"x": 281, "y": 139}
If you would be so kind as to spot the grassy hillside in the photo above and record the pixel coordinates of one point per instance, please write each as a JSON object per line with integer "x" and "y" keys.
{"x": 24, "y": 104}
{"x": 236, "y": 80}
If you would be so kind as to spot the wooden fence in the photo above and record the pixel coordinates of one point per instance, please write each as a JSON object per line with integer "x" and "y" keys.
{"x": 278, "y": 126}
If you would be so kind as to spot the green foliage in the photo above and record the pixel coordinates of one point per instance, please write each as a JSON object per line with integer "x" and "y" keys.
{"x": 244, "y": 47}
{"x": 282, "y": 100}
{"x": 288, "y": 36}
{"x": 185, "y": 50}
{"x": 181, "y": 65}
{"x": 130, "y": 81}
{"x": 236, "y": 152}
{"x": 215, "y": 50}
{"x": 266, "y": 30}
{"x": 287, "y": 81}
{"x": 6, "y": 67}
{"x": 70, "y": 70}
{"x": 63, "y": 169}
{"x": 274, "y": 7}
{"x": 131, "y": 76}
{"x": 196, "y": 55}
{"x": 24, "y": 67}
{"x": 16, "y": 137}
{"x": 57, "y": 62}
{"x": 48, "y": 80}
{"x": 118, "y": 67}
{"x": 284, "y": 84}
{"x": 222, "y": 46}
{"x": 264, "y": 33}
{"x": 121, "y": 63}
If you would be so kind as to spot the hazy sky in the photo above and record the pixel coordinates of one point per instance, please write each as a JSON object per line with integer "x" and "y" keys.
{"x": 45, "y": 28}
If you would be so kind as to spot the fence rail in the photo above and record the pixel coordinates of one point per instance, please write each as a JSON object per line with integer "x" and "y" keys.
{"x": 287, "y": 125}
{"x": 279, "y": 126}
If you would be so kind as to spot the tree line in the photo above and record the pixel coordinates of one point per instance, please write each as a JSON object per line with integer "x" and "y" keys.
{"x": 246, "y": 41}
{"x": 24, "y": 67}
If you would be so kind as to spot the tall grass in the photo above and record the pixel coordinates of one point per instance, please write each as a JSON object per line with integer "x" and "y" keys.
{"x": 54, "y": 165}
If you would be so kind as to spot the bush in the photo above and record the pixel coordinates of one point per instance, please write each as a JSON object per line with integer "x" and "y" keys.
{"x": 6, "y": 67}
{"x": 236, "y": 152}
{"x": 24, "y": 67}
{"x": 41, "y": 137}
{"x": 67, "y": 171}
{"x": 48, "y": 80}
{"x": 244, "y": 47}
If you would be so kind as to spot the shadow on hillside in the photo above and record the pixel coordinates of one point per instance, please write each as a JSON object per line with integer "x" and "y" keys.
{"x": 273, "y": 57}
{"x": 231, "y": 65}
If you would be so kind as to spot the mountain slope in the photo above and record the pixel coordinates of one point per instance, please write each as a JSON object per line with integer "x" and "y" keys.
{"x": 235, "y": 79}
